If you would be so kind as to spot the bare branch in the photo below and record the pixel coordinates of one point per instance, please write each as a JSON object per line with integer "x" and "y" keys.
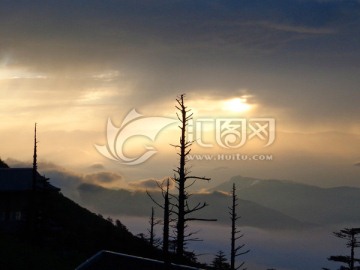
{"x": 198, "y": 178}
{"x": 154, "y": 201}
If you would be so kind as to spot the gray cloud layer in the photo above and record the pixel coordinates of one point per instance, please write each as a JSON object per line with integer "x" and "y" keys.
{"x": 160, "y": 43}
{"x": 285, "y": 52}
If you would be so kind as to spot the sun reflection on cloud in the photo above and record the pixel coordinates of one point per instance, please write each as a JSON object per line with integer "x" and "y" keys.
{"x": 212, "y": 105}
{"x": 107, "y": 76}
{"x": 16, "y": 73}
{"x": 236, "y": 105}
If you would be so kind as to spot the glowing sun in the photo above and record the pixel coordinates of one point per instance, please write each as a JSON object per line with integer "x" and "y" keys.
{"x": 236, "y": 105}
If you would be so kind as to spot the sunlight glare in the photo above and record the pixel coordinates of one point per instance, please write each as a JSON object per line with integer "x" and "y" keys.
{"x": 236, "y": 105}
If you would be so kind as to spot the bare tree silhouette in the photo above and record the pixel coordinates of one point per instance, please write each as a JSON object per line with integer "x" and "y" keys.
{"x": 182, "y": 178}
{"x": 167, "y": 211}
{"x": 34, "y": 173}
{"x": 178, "y": 204}
{"x": 235, "y": 233}
{"x": 154, "y": 242}
{"x": 166, "y": 225}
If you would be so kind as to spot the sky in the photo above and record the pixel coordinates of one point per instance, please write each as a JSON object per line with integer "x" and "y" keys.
{"x": 72, "y": 65}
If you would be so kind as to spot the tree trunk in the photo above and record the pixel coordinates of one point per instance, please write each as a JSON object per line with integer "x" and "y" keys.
{"x": 233, "y": 230}
{"x": 182, "y": 195}
{"x": 166, "y": 226}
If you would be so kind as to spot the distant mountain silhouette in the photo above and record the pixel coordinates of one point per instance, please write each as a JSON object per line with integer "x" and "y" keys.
{"x": 137, "y": 203}
{"x": 303, "y": 202}
{"x": 263, "y": 203}
{"x": 306, "y": 204}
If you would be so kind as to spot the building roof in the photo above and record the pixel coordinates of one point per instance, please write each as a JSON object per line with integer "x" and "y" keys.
{"x": 21, "y": 179}
{"x": 107, "y": 260}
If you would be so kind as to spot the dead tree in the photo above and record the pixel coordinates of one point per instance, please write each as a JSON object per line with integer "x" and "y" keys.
{"x": 166, "y": 225}
{"x": 34, "y": 170}
{"x": 179, "y": 204}
{"x": 235, "y": 233}
{"x": 167, "y": 210}
{"x": 154, "y": 242}
{"x": 352, "y": 242}
{"x": 184, "y": 180}
{"x": 33, "y": 203}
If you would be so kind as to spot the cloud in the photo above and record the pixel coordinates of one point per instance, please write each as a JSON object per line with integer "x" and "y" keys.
{"x": 14, "y": 163}
{"x": 97, "y": 166}
{"x": 42, "y": 165}
{"x": 357, "y": 164}
{"x": 69, "y": 180}
{"x": 83, "y": 58}
{"x": 150, "y": 184}
{"x": 220, "y": 168}
{"x": 105, "y": 179}
{"x": 90, "y": 188}
{"x": 298, "y": 29}
{"x": 109, "y": 35}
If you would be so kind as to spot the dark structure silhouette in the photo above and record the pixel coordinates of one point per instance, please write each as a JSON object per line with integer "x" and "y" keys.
{"x": 106, "y": 260}
{"x": 235, "y": 233}
{"x": 22, "y": 195}
{"x": 17, "y": 186}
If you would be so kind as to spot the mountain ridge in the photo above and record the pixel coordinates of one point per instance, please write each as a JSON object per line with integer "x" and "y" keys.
{"x": 307, "y": 203}
{"x": 137, "y": 203}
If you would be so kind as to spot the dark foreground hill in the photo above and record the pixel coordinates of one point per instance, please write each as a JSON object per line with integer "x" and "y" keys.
{"x": 66, "y": 235}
